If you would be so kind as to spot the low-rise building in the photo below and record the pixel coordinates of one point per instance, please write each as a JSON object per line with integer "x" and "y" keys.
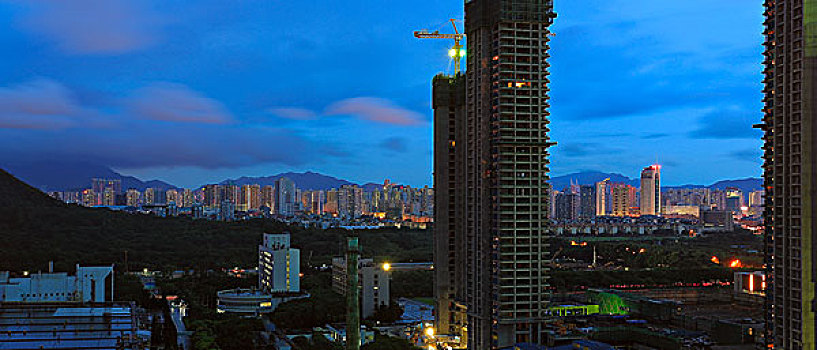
{"x": 374, "y": 283}
{"x": 90, "y": 284}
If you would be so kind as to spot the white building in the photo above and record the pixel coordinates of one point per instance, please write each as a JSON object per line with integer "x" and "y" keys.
{"x": 651, "y": 190}
{"x": 373, "y": 283}
{"x": 278, "y": 264}
{"x": 90, "y": 284}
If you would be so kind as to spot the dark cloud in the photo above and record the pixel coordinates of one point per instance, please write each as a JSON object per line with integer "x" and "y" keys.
{"x": 581, "y": 149}
{"x": 376, "y": 110}
{"x": 727, "y": 124}
{"x": 43, "y": 104}
{"x": 747, "y": 155}
{"x": 177, "y": 103}
{"x": 395, "y": 144}
{"x": 93, "y": 26}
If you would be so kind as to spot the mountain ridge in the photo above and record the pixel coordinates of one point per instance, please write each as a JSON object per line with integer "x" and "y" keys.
{"x": 72, "y": 176}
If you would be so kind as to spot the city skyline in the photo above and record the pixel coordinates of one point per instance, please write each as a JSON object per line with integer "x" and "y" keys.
{"x": 662, "y": 93}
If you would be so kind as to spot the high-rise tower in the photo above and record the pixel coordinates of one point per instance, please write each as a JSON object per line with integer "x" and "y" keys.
{"x": 790, "y": 107}
{"x": 449, "y": 157}
{"x": 506, "y": 171}
{"x": 651, "y": 190}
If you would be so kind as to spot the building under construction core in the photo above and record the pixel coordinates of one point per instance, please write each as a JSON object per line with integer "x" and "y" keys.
{"x": 790, "y": 178}
{"x": 491, "y": 166}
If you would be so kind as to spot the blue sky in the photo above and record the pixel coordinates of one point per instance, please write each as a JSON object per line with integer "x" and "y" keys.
{"x": 197, "y": 91}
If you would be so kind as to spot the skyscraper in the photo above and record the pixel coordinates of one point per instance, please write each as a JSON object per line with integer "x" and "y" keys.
{"x": 568, "y": 205}
{"x": 603, "y": 197}
{"x": 506, "y": 171}
{"x": 449, "y": 117}
{"x": 350, "y": 201}
{"x": 587, "y": 194}
{"x": 284, "y": 197}
{"x": 789, "y": 171}
{"x": 651, "y": 190}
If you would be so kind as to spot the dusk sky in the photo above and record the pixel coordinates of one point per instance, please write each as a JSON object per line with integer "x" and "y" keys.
{"x": 192, "y": 92}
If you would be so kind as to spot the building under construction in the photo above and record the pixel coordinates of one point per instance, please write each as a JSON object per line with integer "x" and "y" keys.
{"x": 790, "y": 150}
{"x": 491, "y": 247}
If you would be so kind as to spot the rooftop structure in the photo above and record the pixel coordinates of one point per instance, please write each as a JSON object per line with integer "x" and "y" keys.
{"x": 55, "y": 325}
{"x": 90, "y": 284}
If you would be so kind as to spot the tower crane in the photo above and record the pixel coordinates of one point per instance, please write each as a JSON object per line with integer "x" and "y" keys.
{"x": 456, "y": 52}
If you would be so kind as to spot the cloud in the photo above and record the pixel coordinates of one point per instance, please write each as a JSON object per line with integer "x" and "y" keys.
{"x": 177, "y": 103}
{"x": 581, "y": 149}
{"x": 729, "y": 123}
{"x": 38, "y": 104}
{"x": 293, "y": 113}
{"x": 376, "y": 110}
{"x": 69, "y": 131}
{"x": 394, "y": 144}
{"x": 752, "y": 155}
{"x": 93, "y": 26}
{"x": 657, "y": 135}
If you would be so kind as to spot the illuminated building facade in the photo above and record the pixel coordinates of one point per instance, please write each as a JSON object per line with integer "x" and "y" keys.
{"x": 790, "y": 104}
{"x": 603, "y": 198}
{"x": 623, "y": 198}
{"x": 651, "y": 190}
{"x": 506, "y": 171}
{"x": 278, "y": 264}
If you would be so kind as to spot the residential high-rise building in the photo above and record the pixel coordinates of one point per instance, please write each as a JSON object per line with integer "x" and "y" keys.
{"x": 99, "y": 185}
{"x": 108, "y": 196}
{"x": 350, "y": 201}
{"x": 153, "y": 196}
{"x": 172, "y": 195}
{"x": 226, "y": 210}
{"x": 756, "y": 198}
{"x": 187, "y": 198}
{"x": 278, "y": 264}
{"x": 651, "y": 190}
{"x": 603, "y": 203}
{"x": 448, "y": 101}
{"x": 313, "y": 202}
{"x": 587, "y": 206}
{"x": 331, "y": 206}
{"x": 789, "y": 173}
{"x": 568, "y": 205}
{"x": 133, "y": 198}
{"x": 623, "y": 199}
{"x": 268, "y": 197}
{"x": 284, "y": 197}
{"x": 212, "y": 196}
{"x": 506, "y": 171}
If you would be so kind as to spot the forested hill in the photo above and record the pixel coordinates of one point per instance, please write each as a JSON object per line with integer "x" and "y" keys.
{"x": 15, "y": 193}
{"x": 35, "y": 229}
